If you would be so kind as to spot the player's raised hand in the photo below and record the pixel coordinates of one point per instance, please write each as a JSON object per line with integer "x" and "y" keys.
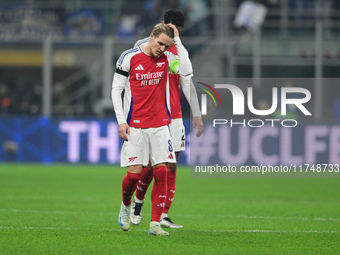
{"x": 197, "y": 122}
{"x": 176, "y": 33}
{"x": 124, "y": 130}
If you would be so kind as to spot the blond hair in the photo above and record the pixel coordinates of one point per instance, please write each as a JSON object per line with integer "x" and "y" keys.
{"x": 162, "y": 28}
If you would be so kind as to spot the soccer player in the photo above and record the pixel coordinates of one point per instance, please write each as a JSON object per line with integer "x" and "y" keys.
{"x": 175, "y": 17}
{"x": 143, "y": 122}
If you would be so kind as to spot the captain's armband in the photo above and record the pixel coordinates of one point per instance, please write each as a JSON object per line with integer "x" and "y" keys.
{"x": 174, "y": 66}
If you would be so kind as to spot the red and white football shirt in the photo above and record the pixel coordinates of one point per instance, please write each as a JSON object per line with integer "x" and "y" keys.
{"x": 174, "y": 83}
{"x": 146, "y": 99}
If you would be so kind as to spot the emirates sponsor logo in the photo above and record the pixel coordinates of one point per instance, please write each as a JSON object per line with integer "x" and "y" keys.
{"x": 149, "y": 79}
{"x": 148, "y": 76}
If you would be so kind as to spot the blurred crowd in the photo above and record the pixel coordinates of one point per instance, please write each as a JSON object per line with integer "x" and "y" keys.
{"x": 138, "y": 17}
{"x": 29, "y": 20}
{"x": 23, "y": 19}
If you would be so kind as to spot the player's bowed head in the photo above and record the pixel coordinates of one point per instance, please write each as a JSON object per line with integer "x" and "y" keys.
{"x": 161, "y": 38}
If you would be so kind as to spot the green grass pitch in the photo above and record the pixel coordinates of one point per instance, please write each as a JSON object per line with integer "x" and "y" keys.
{"x": 73, "y": 209}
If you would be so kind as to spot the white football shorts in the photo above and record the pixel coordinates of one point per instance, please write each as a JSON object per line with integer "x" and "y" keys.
{"x": 148, "y": 143}
{"x": 178, "y": 134}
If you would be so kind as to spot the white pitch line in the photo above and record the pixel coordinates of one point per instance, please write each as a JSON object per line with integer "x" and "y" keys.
{"x": 203, "y": 231}
{"x": 286, "y": 218}
{"x": 263, "y": 217}
{"x": 271, "y": 231}
{"x": 50, "y": 212}
{"x": 69, "y": 229}
{"x": 178, "y": 215}
{"x": 37, "y": 197}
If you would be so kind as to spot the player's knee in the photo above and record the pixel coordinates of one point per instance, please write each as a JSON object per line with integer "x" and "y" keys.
{"x": 172, "y": 167}
{"x": 136, "y": 169}
{"x": 158, "y": 165}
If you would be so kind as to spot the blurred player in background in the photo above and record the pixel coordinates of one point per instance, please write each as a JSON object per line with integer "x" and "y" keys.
{"x": 143, "y": 122}
{"x": 175, "y": 17}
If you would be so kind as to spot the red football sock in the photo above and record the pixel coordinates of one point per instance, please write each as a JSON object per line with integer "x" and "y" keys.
{"x": 171, "y": 188}
{"x": 144, "y": 182}
{"x": 128, "y": 186}
{"x": 158, "y": 193}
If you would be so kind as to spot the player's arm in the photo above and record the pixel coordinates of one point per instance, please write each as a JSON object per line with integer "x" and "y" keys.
{"x": 189, "y": 90}
{"x": 184, "y": 65}
{"x": 184, "y": 69}
{"x": 119, "y": 80}
{"x": 190, "y": 94}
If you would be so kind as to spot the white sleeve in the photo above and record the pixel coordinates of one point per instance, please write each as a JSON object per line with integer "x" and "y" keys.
{"x": 185, "y": 67}
{"x": 141, "y": 41}
{"x": 186, "y": 73}
{"x": 120, "y": 79}
{"x": 118, "y": 86}
{"x": 190, "y": 94}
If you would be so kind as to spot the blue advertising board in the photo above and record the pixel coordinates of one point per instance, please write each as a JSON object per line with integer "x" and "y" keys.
{"x": 40, "y": 139}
